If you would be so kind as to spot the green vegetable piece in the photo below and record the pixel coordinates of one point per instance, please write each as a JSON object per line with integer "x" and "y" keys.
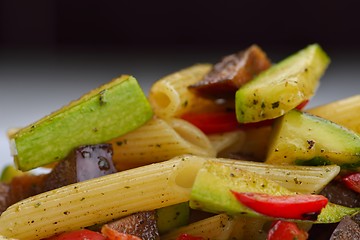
{"x": 302, "y": 138}
{"x": 8, "y": 173}
{"x": 282, "y": 87}
{"x": 109, "y": 111}
{"x": 173, "y": 216}
{"x": 211, "y": 189}
{"x": 211, "y": 193}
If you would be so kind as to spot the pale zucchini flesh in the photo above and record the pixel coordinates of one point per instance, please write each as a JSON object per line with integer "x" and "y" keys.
{"x": 104, "y": 113}
{"x": 282, "y": 87}
{"x": 301, "y": 138}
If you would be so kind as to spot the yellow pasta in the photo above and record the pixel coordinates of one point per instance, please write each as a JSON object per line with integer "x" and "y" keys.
{"x": 100, "y": 200}
{"x": 223, "y": 141}
{"x": 170, "y": 96}
{"x": 159, "y": 140}
{"x": 153, "y": 186}
{"x": 345, "y": 112}
{"x": 218, "y": 227}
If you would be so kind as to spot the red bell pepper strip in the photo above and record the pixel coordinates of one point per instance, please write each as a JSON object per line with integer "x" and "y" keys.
{"x": 186, "y": 236}
{"x": 304, "y": 206}
{"x": 112, "y": 234}
{"x": 302, "y": 105}
{"x": 213, "y": 122}
{"x": 219, "y": 122}
{"x": 352, "y": 181}
{"x": 283, "y": 230}
{"x": 82, "y": 234}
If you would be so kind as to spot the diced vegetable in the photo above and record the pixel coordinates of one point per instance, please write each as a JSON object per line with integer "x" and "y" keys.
{"x": 232, "y": 72}
{"x": 79, "y": 235}
{"x": 8, "y": 173}
{"x": 141, "y": 224}
{"x": 352, "y": 181}
{"x": 185, "y": 236}
{"x": 305, "y": 207}
{"x": 172, "y": 217}
{"x": 217, "y": 197}
{"x": 283, "y": 230}
{"x": 112, "y": 234}
{"x": 304, "y": 139}
{"x": 96, "y": 117}
{"x": 84, "y": 163}
{"x": 220, "y": 122}
{"x": 213, "y": 122}
{"x": 282, "y": 87}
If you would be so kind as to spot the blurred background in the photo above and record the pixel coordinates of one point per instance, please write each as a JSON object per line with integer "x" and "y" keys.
{"x": 52, "y": 52}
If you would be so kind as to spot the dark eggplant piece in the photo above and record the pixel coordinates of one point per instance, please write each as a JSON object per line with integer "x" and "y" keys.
{"x": 19, "y": 188}
{"x": 347, "y": 229}
{"x": 141, "y": 224}
{"x": 232, "y": 72}
{"x": 86, "y": 162}
{"x": 338, "y": 193}
{"x": 4, "y": 193}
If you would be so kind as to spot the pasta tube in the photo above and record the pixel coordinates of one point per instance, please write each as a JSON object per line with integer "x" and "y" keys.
{"x": 222, "y": 141}
{"x": 159, "y": 140}
{"x": 170, "y": 96}
{"x": 217, "y": 227}
{"x": 345, "y": 112}
{"x": 100, "y": 200}
{"x": 149, "y": 187}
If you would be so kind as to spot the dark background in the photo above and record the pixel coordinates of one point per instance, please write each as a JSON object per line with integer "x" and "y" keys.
{"x": 59, "y": 24}
{"x": 51, "y": 52}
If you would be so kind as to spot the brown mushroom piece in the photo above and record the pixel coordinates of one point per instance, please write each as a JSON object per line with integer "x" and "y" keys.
{"x": 141, "y": 224}
{"x": 231, "y": 73}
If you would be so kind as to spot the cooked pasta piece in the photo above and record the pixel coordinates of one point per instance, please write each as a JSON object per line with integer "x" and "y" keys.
{"x": 223, "y": 141}
{"x": 100, "y": 200}
{"x": 170, "y": 96}
{"x": 153, "y": 186}
{"x": 345, "y": 112}
{"x": 159, "y": 140}
{"x": 217, "y": 227}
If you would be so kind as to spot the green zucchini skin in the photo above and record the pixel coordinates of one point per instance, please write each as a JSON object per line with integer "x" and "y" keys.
{"x": 109, "y": 111}
{"x": 282, "y": 87}
{"x": 304, "y": 139}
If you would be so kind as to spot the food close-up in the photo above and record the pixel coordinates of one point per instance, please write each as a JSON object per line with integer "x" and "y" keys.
{"x": 225, "y": 150}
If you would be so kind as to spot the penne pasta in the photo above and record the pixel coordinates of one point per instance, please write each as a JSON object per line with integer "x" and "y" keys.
{"x": 170, "y": 96}
{"x": 345, "y": 112}
{"x": 223, "y": 141}
{"x": 159, "y": 140}
{"x": 149, "y": 187}
{"x": 218, "y": 227}
{"x": 100, "y": 200}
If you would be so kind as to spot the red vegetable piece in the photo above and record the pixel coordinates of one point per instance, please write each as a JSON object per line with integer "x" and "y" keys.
{"x": 213, "y": 122}
{"x": 82, "y": 234}
{"x": 304, "y": 206}
{"x": 219, "y": 122}
{"x": 185, "y": 236}
{"x": 112, "y": 234}
{"x": 352, "y": 181}
{"x": 302, "y": 105}
{"x": 283, "y": 230}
